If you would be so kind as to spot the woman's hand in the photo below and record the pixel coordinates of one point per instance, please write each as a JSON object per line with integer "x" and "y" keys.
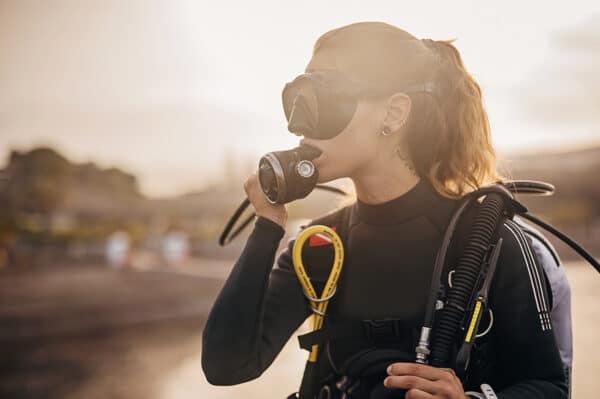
{"x": 424, "y": 382}
{"x": 262, "y": 207}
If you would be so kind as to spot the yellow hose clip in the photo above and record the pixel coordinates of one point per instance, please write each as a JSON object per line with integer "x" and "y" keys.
{"x": 318, "y": 304}
{"x": 474, "y": 321}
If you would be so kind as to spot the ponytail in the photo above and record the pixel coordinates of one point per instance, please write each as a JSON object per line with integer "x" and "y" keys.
{"x": 448, "y": 131}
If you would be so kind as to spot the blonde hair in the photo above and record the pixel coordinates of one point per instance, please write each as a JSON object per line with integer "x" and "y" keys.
{"x": 448, "y": 134}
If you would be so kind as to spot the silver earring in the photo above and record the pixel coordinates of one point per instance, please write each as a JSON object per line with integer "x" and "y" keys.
{"x": 386, "y": 131}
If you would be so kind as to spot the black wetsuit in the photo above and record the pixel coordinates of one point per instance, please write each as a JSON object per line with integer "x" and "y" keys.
{"x": 390, "y": 252}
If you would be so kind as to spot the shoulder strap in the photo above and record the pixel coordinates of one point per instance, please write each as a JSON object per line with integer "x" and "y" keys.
{"x": 533, "y": 232}
{"x": 467, "y": 277}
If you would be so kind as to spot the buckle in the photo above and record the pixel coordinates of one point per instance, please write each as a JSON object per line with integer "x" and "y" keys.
{"x": 381, "y": 329}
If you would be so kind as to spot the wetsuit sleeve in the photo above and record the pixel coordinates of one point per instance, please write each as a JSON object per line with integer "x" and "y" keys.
{"x": 257, "y": 310}
{"x": 528, "y": 360}
{"x": 561, "y": 294}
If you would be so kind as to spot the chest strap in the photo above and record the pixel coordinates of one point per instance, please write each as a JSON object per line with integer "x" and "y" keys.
{"x": 374, "y": 331}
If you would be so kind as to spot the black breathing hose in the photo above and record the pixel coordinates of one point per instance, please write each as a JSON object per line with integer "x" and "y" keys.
{"x": 570, "y": 242}
{"x": 227, "y": 236}
{"x": 487, "y": 221}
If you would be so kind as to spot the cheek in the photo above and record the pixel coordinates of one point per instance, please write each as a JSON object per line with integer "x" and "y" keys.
{"x": 361, "y": 132}
{"x": 356, "y": 144}
{"x": 345, "y": 153}
{"x": 360, "y": 145}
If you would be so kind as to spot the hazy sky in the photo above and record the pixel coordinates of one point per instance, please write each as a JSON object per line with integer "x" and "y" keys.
{"x": 166, "y": 89}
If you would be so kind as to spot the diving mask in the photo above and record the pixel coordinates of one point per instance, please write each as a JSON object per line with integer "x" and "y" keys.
{"x": 321, "y": 104}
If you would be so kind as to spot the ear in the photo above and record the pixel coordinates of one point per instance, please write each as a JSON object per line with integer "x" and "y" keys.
{"x": 398, "y": 110}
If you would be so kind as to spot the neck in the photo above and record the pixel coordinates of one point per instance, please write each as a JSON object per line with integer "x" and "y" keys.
{"x": 383, "y": 180}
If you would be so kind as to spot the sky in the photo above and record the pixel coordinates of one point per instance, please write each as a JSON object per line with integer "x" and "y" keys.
{"x": 170, "y": 89}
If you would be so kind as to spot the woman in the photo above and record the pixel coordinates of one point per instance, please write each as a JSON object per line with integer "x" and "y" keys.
{"x": 416, "y": 140}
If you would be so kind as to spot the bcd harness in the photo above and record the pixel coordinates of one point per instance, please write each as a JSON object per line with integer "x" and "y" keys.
{"x": 453, "y": 310}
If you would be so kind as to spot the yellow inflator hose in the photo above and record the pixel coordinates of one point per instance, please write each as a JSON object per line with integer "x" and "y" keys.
{"x": 318, "y": 304}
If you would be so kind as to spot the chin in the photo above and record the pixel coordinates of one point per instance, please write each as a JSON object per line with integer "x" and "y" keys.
{"x": 325, "y": 177}
{"x": 321, "y": 180}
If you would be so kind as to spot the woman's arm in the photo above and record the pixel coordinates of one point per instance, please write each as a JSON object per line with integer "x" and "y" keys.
{"x": 256, "y": 312}
{"x": 529, "y": 364}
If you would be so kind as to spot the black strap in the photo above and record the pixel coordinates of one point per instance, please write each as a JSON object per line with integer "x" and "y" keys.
{"x": 225, "y": 237}
{"x": 374, "y": 361}
{"x": 374, "y": 331}
{"x": 316, "y": 337}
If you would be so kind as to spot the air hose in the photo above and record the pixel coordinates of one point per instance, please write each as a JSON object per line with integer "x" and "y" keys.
{"x": 318, "y": 304}
{"x": 227, "y": 236}
{"x": 465, "y": 279}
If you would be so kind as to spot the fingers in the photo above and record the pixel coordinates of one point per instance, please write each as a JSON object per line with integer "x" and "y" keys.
{"x": 417, "y": 394}
{"x": 262, "y": 207}
{"x": 411, "y": 382}
{"x": 251, "y": 183}
{"x": 421, "y": 370}
{"x": 253, "y": 191}
{"x": 438, "y": 388}
{"x": 441, "y": 382}
{"x": 456, "y": 379}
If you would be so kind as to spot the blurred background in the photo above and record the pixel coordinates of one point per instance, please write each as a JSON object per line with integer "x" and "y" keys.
{"x": 128, "y": 128}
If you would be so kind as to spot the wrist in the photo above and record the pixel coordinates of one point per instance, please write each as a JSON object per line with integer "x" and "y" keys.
{"x": 281, "y": 220}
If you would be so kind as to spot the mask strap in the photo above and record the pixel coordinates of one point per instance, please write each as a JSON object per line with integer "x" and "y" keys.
{"x": 426, "y": 87}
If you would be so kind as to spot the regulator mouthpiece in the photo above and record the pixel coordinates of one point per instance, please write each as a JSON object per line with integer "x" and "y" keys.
{"x": 285, "y": 176}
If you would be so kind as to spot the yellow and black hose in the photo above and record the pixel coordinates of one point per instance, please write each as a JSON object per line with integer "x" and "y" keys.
{"x": 318, "y": 304}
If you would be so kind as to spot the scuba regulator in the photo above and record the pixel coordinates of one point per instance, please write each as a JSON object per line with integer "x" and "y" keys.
{"x": 284, "y": 176}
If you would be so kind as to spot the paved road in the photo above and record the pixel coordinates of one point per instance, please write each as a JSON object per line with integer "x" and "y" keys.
{"x": 72, "y": 299}
{"x": 95, "y": 332}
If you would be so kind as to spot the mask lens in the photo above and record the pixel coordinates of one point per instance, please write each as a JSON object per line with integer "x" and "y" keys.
{"x": 319, "y": 105}
{"x": 300, "y": 106}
